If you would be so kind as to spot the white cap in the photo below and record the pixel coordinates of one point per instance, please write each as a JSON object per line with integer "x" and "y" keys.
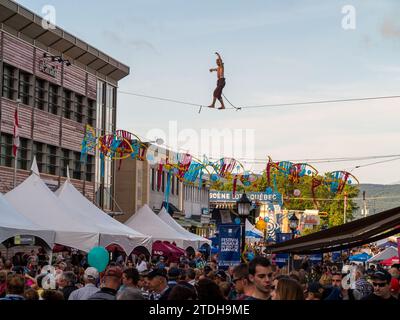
{"x": 91, "y": 272}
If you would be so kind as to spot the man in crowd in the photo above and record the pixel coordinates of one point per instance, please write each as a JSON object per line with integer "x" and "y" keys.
{"x": 337, "y": 291}
{"x": 158, "y": 283}
{"x": 260, "y": 275}
{"x": 15, "y": 287}
{"x": 173, "y": 276}
{"x": 381, "y": 283}
{"x": 67, "y": 283}
{"x": 363, "y": 287}
{"x": 243, "y": 287}
{"x": 110, "y": 284}
{"x": 90, "y": 278}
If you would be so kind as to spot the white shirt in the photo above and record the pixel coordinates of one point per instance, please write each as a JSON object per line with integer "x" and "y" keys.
{"x": 84, "y": 293}
{"x": 142, "y": 266}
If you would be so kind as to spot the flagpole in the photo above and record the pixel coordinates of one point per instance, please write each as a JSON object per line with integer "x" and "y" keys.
{"x": 16, "y": 152}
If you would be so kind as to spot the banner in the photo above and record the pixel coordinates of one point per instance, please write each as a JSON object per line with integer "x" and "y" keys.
{"x": 316, "y": 258}
{"x": 229, "y": 245}
{"x": 282, "y": 259}
{"x": 282, "y": 237}
{"x": 336, "y": 256}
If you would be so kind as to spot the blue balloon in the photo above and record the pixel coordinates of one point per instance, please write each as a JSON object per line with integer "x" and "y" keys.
{"x": 349, "y": 181}
{"x": 98, "y": 258}
{"x": 250, "y": 256}
{"x": 237, "y": 220}
{"x": 309, "y": 172}
{"x": 266, "y": 219}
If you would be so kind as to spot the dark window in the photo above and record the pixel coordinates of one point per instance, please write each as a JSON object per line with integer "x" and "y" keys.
{"x": 24, "y": 88}
{"x": 90, "y": 168}
{"x": 91, "y": 112}
{"x": 23, "y": 154}
{"x": 9, "y": 82}
{"x": 38, "y": 152}
{"x": 67, "y": 104}
{"x": 65, "y": 159}
{"x": 53, "y": 99}
{"x": 79, "y": 109}
{"x": 77, "y": 170}
{"x": 153, "y": 178}
{"x": 177, "y": 186}
{"x": 40, "y": 94}
{"x": 163, "y": 182}
{"x": 52, "y": 160}
{"x": 172, "y": 184}
{"x": 6, "y": 158}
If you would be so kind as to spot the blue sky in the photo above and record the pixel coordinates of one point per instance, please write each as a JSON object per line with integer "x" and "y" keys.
{"x": 274, "y": 52}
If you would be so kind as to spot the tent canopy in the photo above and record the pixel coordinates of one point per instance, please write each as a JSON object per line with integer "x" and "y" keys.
{"x": 361, "y": 257}
{"x": 14, "y": 223}
{"x": 34, "y": 200}
{"x": 391, "y": 261}
{"x": 197, "y": 241}
{"x": 383, "y": 255}
{"x": 112, "y": 231}
{"x": 349, "y": 235}
{"x": 167, "y": 250}
{"x": 147, "y": 222}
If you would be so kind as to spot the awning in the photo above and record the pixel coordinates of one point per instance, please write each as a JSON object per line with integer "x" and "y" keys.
{"x": 349, "y": 235}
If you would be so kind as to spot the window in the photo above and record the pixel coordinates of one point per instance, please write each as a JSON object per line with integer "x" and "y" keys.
{"x": 163, "y": 182}
{"x": 77, "y": 169}
{"x": 91, "y": 116}
{"x": 90, "y": 168}
{"x": 79, "y": 108}
{"x": 9, "y": 82}
{"x": 65, "y": 161}
{"x": 6, "y": 154}
{"x": 40, "y": 94}
{"x": 53, "y": 99}
{"x": 24, "y": 88}
{"x": 38, "y": 152}
{"x": 67, "y": 104}
{"x": 23, "y": 154}
{"x": 52, "y": 160}
{"x": 177, "y": 186}
{"x": 172, "y": 184}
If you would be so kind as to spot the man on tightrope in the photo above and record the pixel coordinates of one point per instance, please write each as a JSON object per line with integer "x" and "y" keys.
{"x": 220, "y": 83}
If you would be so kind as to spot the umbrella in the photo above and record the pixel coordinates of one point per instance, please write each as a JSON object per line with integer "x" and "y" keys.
{"x": 361, "y": 257}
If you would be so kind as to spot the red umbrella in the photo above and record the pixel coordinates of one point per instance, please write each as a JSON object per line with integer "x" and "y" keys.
{"x": 166, "y": 250}
{"x": 175, "y": 247}
{"x": 391, "y": 261}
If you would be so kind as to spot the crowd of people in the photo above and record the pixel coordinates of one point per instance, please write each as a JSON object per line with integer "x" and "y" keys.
{"x": 28, "y": 277}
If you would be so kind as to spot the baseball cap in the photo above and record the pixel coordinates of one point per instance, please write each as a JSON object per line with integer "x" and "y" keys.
{"x": 382, "y": 275}
{"x": 113, "y": 272}
{"x": 91, "y": 273}
{"x": 157, "y": 272}
{"x": 207, "y": 269}
{"x": 221, "y": 274}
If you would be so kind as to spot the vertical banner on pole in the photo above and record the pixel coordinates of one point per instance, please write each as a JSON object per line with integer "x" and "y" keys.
{"x": 229, "y": 245}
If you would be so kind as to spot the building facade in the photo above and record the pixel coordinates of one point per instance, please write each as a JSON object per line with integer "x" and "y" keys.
{"x": 59, "y": 84}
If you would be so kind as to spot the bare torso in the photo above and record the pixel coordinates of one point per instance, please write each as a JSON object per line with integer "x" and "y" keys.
{"x": 220, "y": 72}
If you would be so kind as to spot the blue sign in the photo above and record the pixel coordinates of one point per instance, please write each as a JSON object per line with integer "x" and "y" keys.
{"x": 229, "y": 245}
{"x": 281, "y": 259}
{"x": 282, "y": 237}
{"x": 316, "y": 258}
{"x": 336, "y": 256}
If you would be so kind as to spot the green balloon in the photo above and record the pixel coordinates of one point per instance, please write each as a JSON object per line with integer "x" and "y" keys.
{"x": 98, "y": 258}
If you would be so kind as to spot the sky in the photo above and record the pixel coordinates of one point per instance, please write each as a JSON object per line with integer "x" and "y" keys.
{"x": 274, "y": 52}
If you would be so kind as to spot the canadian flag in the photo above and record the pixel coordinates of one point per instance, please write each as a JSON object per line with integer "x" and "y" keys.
{"x": 16, "y": 133}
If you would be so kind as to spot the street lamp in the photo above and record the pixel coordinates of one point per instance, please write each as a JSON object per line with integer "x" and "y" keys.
{"x": 293, "y": 224}
{"x": 243, "y": 208}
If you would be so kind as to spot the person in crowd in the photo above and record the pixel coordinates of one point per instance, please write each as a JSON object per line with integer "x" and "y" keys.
{"x": 315, "y": 291}
{"x": 158, "y": 284}
{"x": 220, "y": 276}
{"x": 109, "y": 285}
{"x": 67, "y": 283}
{"x": 208, "y": 290}
{"x": 15, "y": 287}
{"x": 338, "y": 292}
{"x": 287, "y": 289}
{"x": 182, "y": 292}
{"x": 225, "y": 288}
{"x": 3, "y": 283}
{"x": 130, "y": 278}
{"x": 260, "y": 275}
{"x": 52, "y": 295}
{"x": 90, "y": 279}
{"x": 141, "y": 265}
{"x": 381, "y": 283}
{"x": 191, "y": 276}
{"x": 130, "y": 293}
{"x": 242, "y": 286}
{"x": 362, "y": 287}
{"x": 160, "y": 263}
{"x": 173, "y": 276}
{"x": 31, "y": 294}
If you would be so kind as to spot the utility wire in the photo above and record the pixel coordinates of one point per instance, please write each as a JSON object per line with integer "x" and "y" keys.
{"x": 262, "y": 106}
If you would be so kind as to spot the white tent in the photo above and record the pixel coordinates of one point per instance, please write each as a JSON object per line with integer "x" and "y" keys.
{"x": 197, "y": 240}
{"x": 252, "y": 233}
{"x": 13, "y": 223}
{"x": 147, "y": 222}
{"x": 34, "y": 200}
{"x": 112, "y": 231}
{"x": 383, "y": 255}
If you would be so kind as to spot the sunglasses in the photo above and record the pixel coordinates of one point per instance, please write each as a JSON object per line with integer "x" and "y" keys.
{"x": 380, "y": 284}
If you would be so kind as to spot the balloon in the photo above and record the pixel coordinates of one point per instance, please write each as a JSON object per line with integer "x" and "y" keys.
{"x": 266, "y": 219}
{"x": 237, "y": 220}
{"x": 98, "y": 258}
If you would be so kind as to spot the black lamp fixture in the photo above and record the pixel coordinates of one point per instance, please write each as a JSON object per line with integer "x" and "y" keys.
{"x": 58, "y": 59}
{"x": 243, "y": 206}
{"x": 293, "y": 222}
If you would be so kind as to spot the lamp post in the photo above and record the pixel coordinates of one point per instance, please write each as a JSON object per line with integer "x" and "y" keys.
{"x": 293, "y": 224}
{"x": 243, "y": 208}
